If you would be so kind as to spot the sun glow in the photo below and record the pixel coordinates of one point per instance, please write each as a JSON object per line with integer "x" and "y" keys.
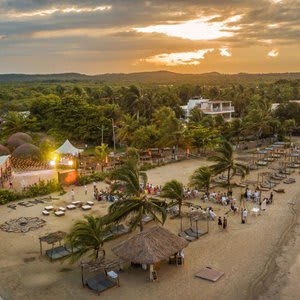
{"x": 199, "y": 29}
{"x": 179, "y": 58}
{"x": 273, "y": 53}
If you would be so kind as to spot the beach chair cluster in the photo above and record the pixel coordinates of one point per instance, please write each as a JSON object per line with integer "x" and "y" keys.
{"x": 60, "y": 211}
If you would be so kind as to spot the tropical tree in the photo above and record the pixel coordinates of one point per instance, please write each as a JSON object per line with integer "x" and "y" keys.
{"x": 174, "y": 191}
{"x": 135, "y": 203}
{"x": 225, "y": 162}
{"x": 202, "y": 178}
{"x": 101, "y": 153}
{"x": 88, "y": 237}
{"x": 15, "y": 122}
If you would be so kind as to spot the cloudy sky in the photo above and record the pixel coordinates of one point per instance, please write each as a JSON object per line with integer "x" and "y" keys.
{"x": 188, "y": 36}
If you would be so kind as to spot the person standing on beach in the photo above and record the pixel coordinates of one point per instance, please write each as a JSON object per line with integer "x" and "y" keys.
{"x": 85, "y": 190}
{"x": 245, "y": 214}
{"x": 271, "y": 198}
{"x": 220, "y": 223}
{"x": 73, "y": 195}
{"x": 224, "y": 223}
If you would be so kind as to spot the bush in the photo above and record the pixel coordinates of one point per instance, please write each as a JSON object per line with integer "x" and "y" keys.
{"x": 7, "y": 196}
{"x": 95, "y": 177}
{"x": 38, "y": 189}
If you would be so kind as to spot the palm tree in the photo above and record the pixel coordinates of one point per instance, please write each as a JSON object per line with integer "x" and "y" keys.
{"x": 202, "y": 178}
{"x": 135, "y": 203}
{"x": 225, "y": 162}
{"x": 101, "y": 153}
{"x": 174, "y": 190}
{"x": 88, "y": 235}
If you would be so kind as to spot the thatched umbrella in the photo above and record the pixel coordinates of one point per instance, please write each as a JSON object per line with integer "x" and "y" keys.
{"x": 4, "y": 150}
{"x": 27, "y": 151}
{"x": 150, "y": 246}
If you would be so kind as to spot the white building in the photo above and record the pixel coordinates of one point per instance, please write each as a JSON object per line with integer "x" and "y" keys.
{"x": 209, "y": 107}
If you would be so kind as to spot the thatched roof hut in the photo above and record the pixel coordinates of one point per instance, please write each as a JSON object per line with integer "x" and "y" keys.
{"x": 150, "y": 246}
{"x": 18, "y": 139}
{"x": 4, "y": 150}
{"x": 27, "y": 151}
{"x": 21, "y": 136}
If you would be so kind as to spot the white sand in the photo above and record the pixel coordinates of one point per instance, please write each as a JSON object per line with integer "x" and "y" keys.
{"x": 241, "y": 252}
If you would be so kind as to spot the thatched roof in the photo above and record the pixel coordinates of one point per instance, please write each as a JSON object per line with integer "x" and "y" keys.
{"x": 150, "y": 246}
{"x": 21, "y": 136}
{"x": 26, "y": 151}
{"x": 4, "y": 150}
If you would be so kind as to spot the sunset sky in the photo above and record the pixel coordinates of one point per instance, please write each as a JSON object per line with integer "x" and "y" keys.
{"x": 190, "y": 36}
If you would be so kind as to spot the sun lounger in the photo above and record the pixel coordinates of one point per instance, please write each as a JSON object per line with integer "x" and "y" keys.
{"x": 119, "y": 230}
{"x": 289, "y": 181}
{"x": 45, "y": 213}
{"x": 48, "y": 208}
{"x": 76, "y": 202}
{"x": 91, "y": 203}
{"x": 57, "y": 253}
{"x": 100, "y": 283}
{"x": 71, "y": 206}
{"x": 279, "y": 191}
{"x": 86, "y": 207}
{"x": 193, "y": 233}
{"x": 209, "y": 274}
{"x": 186, "y": 236}
{"x": 59, "y": 213}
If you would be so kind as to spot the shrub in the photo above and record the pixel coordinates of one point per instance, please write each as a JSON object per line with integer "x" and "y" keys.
{"x": 41, "y": 188}
{"x": 7, "y": 196}
{"x": 95, "y": 177}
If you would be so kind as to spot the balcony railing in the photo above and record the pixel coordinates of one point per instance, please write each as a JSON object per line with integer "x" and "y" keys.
{"x": 219, "y": 110}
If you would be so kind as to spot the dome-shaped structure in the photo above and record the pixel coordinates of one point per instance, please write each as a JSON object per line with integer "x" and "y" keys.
{"x": 18, "y": 139}
{"x": 4, "y": 150}
{"x": 27, "y": 151}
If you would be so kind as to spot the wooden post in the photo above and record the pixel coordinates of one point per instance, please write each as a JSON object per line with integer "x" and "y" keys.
{"x": 41, "y": 247}
{"x": 82, "y": 276}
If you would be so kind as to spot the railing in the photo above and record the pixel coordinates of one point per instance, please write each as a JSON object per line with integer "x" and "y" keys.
{"x": 223, "y": 110}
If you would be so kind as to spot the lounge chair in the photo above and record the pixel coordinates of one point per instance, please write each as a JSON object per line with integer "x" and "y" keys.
{"x": 100, "y": 283}
{"x": 48, "y": 208}
{"x": 119, "y": 230}
{"x": 45, "y": 212}
{"x": 289, "y": 181}
{"x": 59, "y": 213}
{"x": 279, "y": 190}
{"x": 57, "y": 253}
{"x": 209, "y": 274}
{"x": 147, "y": 219}
{"x": 193, "y": 233}
{"x": 186, "y": 236}
{"x": 71, "y": 206}
{"x": 86, "y": 207}
{"x": 91, "y": 203}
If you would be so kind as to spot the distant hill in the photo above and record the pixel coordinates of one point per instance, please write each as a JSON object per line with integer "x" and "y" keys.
{"x": 158, "y": 77}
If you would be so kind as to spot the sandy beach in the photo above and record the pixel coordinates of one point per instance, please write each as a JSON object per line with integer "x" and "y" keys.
{"x": 245, "y": 252}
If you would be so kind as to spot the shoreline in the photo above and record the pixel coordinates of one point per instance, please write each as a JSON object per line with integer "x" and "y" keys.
{"x": 267, "y": 284}
{"x": 283, "y": 261}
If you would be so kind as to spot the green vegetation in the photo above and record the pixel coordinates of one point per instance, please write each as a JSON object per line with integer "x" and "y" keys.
{"x": 94, "y": 177}
{"x": 41, "y": 188}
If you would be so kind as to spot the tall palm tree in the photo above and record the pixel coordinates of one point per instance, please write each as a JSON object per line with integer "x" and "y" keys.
{"x": 174, "y": 190}
{"x": 101, "y": 153}
{"x": 225, "y": 162}
{"x": 135, "y": 203}
{"x": 201, "y": 178}
{"x": 88, "y": 235}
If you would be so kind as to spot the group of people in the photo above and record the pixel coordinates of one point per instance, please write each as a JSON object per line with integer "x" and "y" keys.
{"x": 219, "y": 198}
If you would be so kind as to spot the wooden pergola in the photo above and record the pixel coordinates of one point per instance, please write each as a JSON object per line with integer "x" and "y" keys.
{"x": 101, "y": 264}
{"x": 52, "y": 239}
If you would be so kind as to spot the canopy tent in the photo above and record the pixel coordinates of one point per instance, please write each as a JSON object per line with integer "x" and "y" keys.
{"x": 68, "y": 148}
